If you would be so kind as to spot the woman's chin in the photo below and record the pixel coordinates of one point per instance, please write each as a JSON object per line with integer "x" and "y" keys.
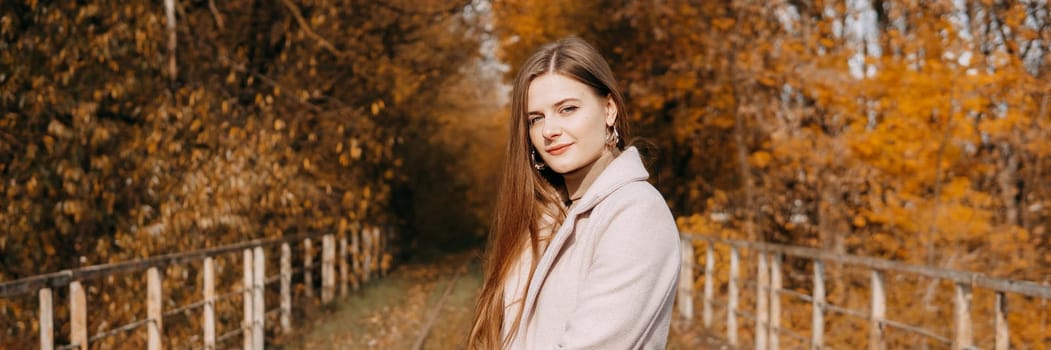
{"x": 563, "y": 169}
{"x": 557, "y": 169}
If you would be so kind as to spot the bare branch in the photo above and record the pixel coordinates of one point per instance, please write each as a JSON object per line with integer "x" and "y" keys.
{"x": 269, "y": 81}
{"x": 169, "y": 9}
{"x": 306, "y": 27}
{"x": 11, "y": 139}
{"x": 447, "y": 11}
{"x": 215, "y": 14}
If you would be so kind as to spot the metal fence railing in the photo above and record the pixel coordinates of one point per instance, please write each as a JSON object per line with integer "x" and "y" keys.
{"x": 769, "y": 290}
{"x": 356, "y": 262}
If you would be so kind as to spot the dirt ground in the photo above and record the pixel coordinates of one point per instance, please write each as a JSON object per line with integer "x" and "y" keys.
{"x": 393, "y": 312}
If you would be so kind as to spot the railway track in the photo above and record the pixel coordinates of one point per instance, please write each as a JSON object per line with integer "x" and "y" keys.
{"x": 417, "y": 306}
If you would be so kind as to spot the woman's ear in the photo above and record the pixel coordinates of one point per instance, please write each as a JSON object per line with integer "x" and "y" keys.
{"x": 611, "y": 111}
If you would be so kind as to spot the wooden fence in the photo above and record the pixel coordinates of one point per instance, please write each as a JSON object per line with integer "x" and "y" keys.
{"x": 769, "y": 290}
{"x": 356, "y": 262}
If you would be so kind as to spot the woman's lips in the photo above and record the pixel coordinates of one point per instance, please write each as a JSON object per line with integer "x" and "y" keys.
{"x": 558, "y": 149}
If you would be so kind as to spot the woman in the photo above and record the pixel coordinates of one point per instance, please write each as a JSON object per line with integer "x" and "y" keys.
{"x": 583, "y": 253}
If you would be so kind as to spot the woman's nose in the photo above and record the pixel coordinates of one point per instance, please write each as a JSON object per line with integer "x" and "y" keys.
{"x": 551, "y": 128}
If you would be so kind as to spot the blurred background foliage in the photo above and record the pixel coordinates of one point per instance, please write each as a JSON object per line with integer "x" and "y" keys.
{"x": 909, "y": 130}
{"x": 913, "y": 130}
{"x": 260, "y": 119}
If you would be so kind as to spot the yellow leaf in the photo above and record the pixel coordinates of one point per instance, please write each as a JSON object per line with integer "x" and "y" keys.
{"x": 859, "y": 221}
{"x": 760, "y": 159}
{"x": 377, "y": 107}
{"x": 355, "y": 150}
{"x": 723, "y": 23}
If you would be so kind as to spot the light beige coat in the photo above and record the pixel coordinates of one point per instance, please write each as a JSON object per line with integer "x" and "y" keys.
{"x": 608, "y": 276}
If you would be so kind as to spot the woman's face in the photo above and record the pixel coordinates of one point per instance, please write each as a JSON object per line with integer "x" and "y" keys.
{"x": 567, "y": 122}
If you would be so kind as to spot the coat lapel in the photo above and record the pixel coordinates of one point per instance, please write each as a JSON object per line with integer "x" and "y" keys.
{"x": 544, "y": 266}
{"x": 625, "y": 169}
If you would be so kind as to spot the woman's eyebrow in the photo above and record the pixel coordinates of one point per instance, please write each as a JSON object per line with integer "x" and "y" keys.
{"x": 559, "y": 103}
{"x": 563, "y": 101}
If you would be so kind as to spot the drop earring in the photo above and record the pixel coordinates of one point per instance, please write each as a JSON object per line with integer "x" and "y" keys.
{"x": 538, "y": 163}
{"x": 613, "y": 138}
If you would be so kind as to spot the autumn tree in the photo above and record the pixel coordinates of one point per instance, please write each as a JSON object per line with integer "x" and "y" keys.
{"x": 131, "y": 130}
{"x": 910, "y": 130}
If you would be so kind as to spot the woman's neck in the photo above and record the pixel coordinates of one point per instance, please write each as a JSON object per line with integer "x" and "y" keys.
{"x": 577, "y": 182}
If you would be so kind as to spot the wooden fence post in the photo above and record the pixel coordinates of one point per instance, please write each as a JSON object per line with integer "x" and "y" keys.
{"x": 259, "y": 312}
{"x": 762, "y": 302}
{"x": 384, "y": 251}
{"x": 246, "y": 300}
{"x": 963, "y": 337}
{"x": 380, "y": 237}
{"x": 381, "y": 247}
{"x": 775, "y": 302}
{"x": 78, "y": 315}
{"x": 366, "y": 256}
{"x": 209, "y": 303}
{"x": 308, "y": 264}
{"x": 709, "y": 283}
{"x": 376, "y": 252}
{"x": 373, "y": 243}
{"x": 817, "y": 326}
{"x": 343, "y": 273}
{"x": 328, "y": 257}
{"x": 731, "y": 307}
{"x": 878, "y": 313}
{"x": 685, "y": 298}
{"x": 1000, "y": 322}
{"x": 286, "y": 288}
{"x": 355, "y": 256}
{"x": 154, "y": 307}
{"x": 47, "y": 320}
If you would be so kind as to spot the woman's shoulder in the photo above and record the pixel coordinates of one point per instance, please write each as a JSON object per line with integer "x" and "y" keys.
{"x": 638, "y": 198}
{"x": 634, "y": 215}
{"x": 637, "y": 193}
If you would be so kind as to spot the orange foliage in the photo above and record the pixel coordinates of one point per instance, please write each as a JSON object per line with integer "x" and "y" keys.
{"x": 283, "y": 117}
{"x": 922, "y": 137}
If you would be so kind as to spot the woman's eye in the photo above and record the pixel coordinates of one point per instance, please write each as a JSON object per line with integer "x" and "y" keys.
{"x": 569, "y": 109}
{"x": 535, "y": 118}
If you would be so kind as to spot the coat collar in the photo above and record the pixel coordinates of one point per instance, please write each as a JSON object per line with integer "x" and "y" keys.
{"x": 623, "y": 170}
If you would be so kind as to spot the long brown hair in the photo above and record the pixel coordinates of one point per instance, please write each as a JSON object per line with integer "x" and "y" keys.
{"x": 527, "y": 194}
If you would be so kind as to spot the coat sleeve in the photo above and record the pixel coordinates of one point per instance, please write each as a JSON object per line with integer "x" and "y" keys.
{"x": 626, "y": 296}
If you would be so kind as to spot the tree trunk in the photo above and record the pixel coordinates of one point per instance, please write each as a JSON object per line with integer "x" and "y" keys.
{"x": 169, "y": 10}
{"x": 747, "y": 182}
{"x": 832, "y": 225}
{"x": 1006, "y": 179}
